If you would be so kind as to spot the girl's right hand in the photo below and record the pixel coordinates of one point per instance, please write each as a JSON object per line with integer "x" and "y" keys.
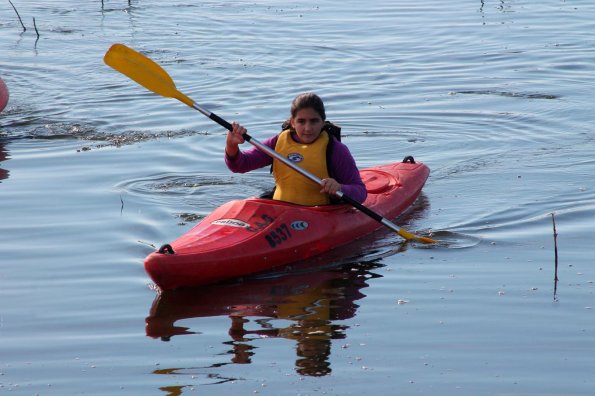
{"x": 235, "y": 137}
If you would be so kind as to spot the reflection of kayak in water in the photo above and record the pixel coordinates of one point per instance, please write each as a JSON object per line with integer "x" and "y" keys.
{"x": 303, "y": 307}
{"x": 255, "y": 235}
{"x": 296, "y": 296}
{"x": 3, "y": 95}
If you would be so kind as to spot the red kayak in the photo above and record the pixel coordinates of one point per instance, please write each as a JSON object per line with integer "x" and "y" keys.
{"x": 254, "y": 235}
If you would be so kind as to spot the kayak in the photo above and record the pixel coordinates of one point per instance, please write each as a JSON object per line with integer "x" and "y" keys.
{"x": 254, "y": 235}
{"x": 249, "y": 236}
{"x": 3, "y": 95}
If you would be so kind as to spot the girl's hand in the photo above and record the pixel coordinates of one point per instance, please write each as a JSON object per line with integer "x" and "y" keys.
{"x": 234, "y": 139}
{"x": 330, "y": 186}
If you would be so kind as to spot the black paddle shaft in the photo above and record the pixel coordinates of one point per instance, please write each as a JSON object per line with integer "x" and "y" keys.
{"x": 219, "y": 120}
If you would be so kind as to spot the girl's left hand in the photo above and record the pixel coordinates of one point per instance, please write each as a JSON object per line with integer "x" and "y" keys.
{"x": 330, "y": 186}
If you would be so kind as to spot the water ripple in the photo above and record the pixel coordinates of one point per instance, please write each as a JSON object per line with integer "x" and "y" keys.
{"x": 196, "y": 190}
{"x": 523, "y": 95}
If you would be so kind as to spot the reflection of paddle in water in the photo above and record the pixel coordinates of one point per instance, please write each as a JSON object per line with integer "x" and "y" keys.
{"x": 311, "y": 302}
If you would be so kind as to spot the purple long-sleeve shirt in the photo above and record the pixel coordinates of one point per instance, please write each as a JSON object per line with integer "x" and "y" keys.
{"x": 342, "y": 165}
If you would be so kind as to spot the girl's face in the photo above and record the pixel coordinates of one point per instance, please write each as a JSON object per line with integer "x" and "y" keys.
{"x": 307, "y": 124}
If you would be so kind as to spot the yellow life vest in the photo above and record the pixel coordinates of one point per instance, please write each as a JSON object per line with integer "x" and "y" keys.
{"x": 290, "y": 185}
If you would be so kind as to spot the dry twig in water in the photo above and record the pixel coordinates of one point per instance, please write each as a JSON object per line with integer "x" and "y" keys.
{"x": 20, "y": 20}
{"x": 35, "y": 26}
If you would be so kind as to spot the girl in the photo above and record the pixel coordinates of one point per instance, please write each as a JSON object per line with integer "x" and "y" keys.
{"x": 305, "y": 141}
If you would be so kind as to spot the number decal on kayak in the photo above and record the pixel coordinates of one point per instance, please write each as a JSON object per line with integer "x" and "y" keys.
{"x": 259, "y": 225}
{"x": 278, "y": 236}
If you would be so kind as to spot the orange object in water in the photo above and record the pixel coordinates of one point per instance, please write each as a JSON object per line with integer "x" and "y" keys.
{"x": 255, "y": 235}
{"x": 3, "y": 95}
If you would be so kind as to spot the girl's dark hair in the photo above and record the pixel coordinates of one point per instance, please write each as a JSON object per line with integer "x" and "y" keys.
{"x": 308, "y": 100}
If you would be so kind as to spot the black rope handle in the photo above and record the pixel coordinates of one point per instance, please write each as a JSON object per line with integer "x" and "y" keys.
{"x": 166, "y": 249}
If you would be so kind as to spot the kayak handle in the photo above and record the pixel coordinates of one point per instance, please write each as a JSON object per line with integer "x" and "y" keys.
{"x": 166, "y": 249}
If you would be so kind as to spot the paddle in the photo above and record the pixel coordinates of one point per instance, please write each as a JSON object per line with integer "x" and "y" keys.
{"x": 152, "y": 76}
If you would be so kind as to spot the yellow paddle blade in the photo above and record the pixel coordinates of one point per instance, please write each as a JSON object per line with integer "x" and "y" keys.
{"x": 407, "y": 235}
{"x": 144, "y": 71}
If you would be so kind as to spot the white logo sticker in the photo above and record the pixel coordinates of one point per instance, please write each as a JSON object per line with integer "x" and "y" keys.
{"x": 231, "y": 223}
{"x": 299, "y": 225}
{"x": 295, "y": 157}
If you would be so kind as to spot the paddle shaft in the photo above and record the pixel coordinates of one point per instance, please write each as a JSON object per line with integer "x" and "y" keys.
{"x": 298, "y": 169}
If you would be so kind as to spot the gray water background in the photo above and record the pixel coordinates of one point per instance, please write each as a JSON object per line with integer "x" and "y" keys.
{"x": 495, "y": 96}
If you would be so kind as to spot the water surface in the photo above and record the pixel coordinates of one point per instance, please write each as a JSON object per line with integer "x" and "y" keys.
{"x": 95, "y": 172}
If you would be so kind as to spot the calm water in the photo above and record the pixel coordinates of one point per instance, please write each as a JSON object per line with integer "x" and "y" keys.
{"x": 495, "y": 96}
